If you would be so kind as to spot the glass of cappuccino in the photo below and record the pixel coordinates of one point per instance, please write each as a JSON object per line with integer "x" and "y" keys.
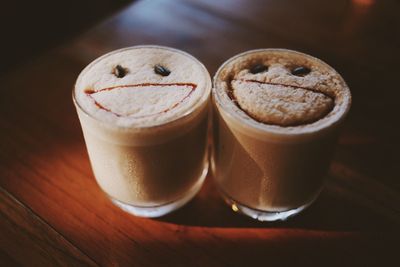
{"x": 144, "y": 113}
{"x": 276, "y": 118}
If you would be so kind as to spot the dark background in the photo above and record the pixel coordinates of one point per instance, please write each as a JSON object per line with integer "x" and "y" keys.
{"x": 29, "y": 28}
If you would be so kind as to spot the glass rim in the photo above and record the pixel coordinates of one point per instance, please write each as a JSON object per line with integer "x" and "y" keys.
{"x": 273, "y": 130}
{"x": 190, "y": 111}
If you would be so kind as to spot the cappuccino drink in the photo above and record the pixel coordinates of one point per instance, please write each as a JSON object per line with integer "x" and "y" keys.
{"x": 144, "y": 112}
{"x": 276, "y": 118}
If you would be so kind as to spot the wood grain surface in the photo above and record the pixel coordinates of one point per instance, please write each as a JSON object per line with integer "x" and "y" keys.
{"x": 54, "y": 214}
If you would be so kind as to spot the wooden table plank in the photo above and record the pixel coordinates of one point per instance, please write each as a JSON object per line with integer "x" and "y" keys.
{"x": 34, "y": 242}
{"x": 44, "y": 164}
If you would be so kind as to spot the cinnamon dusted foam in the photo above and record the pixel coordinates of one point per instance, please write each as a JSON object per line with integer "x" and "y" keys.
{"x": 282, "y": 91}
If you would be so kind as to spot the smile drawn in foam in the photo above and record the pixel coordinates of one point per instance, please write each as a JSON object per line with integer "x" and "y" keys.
{"x": 293, "y": 122}
{"x": 288, "y": 85}
{"x": 134, "y": 89}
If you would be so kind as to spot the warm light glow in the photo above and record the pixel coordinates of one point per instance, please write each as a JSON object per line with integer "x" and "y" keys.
{"x": 235, "y": 208}
{"x": 363, "y": 2}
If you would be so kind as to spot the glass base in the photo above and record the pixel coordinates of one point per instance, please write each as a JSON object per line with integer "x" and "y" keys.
{"x": 261, "y": 215}
{"x": 158, "y": 211}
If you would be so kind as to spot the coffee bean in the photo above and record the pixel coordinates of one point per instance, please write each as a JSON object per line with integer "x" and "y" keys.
{"x": 163, "y": 71}
{"x": 300, "y": 71}
{"x": 258, "y": 68}
{"x": 120, "y": 71}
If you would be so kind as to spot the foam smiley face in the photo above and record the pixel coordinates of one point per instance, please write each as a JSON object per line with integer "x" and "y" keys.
{"x": 143, "y": 83}
{"x": 284, "y": 90}
{"x": 141, "y": 99}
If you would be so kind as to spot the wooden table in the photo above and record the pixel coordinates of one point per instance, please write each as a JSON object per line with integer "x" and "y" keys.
{"x": 54, "y": 214}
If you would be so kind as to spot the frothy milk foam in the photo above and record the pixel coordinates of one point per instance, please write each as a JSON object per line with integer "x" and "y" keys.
{"x": 141, "y": 98}
{"x": 143, "y": 112}
{"x": 276, "y": 123}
